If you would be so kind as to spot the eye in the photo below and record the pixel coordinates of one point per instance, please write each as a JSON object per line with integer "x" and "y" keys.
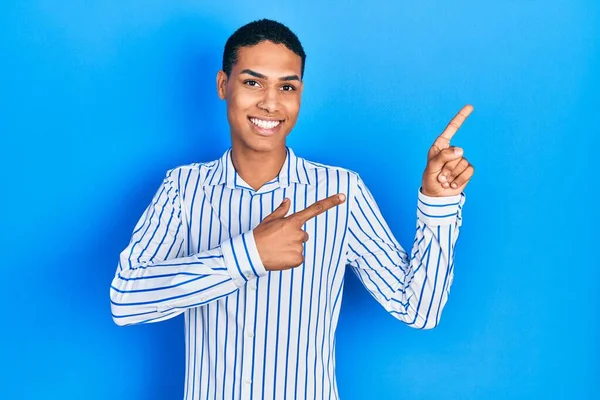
{"x": 288, "y": 88}
{"x": 251, "y": 83}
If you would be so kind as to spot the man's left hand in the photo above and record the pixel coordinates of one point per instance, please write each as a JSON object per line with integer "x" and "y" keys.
{"x": 448, "y": 171}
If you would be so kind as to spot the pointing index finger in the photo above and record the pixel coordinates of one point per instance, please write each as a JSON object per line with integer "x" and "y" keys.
{"x": 456, "y": 122}
{"x": 318, "y": 208}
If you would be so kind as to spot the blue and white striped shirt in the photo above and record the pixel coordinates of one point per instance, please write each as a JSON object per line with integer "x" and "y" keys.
{"x": 254, "y": 334}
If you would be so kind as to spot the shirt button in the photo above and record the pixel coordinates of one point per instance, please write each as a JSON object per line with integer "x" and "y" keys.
{"x": 248, "y": 275}
{"x": 252, "y": 287}
{"x": 250, "y": 334}
{"x": 248, "y": 381}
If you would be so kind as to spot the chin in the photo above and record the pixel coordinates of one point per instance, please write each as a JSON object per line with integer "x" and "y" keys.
{"x": 264, "y": 144}
{"x": 252, "y": 141}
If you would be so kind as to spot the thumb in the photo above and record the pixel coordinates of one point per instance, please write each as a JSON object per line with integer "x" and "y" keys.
{"x": 444, "y": 156}
{"x": 279, "y": 212}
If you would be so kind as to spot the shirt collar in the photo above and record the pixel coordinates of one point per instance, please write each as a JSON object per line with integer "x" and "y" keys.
{"x": 294, "y": 170}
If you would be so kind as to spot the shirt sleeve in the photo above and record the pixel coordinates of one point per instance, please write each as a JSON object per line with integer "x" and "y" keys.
{"x": 412, "y": 288}
{"x": 155, "y": 280}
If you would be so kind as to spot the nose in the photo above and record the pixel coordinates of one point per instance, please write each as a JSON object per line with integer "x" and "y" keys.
{"x": 268, "y": 102}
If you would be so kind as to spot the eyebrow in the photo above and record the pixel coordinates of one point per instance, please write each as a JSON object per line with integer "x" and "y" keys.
{"x": 261, "y": 76}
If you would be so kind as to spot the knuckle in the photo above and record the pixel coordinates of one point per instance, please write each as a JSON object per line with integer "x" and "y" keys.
{"x": 319, "y": 206}
{"x": 298, "y": 259}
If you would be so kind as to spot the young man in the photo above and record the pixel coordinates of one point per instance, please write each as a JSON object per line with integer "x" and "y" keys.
{"x": 252, "y": 247}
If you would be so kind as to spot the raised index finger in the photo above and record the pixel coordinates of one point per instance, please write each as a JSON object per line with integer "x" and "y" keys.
{"x": 456, "y": 122}
{"x": 318, "y": 208}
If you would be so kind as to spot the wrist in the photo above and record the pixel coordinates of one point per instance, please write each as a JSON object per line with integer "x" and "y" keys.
{"x": 427, "y": 192}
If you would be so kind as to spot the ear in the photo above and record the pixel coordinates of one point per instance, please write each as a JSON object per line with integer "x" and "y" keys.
{"x": 221, "y": 84}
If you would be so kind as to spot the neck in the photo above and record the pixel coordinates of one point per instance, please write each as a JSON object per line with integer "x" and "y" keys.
{"x": 257, "y": 168}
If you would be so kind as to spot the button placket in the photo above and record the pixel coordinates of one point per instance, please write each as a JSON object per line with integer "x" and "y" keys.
{"x": 250, "y": 293}
{"x": 249, "y": 334}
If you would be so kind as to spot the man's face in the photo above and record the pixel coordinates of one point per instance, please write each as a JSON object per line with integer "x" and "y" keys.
{"x": 263, "y": 95}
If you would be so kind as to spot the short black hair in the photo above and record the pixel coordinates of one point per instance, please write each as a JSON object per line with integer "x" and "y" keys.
{"x": 256, "y": 32}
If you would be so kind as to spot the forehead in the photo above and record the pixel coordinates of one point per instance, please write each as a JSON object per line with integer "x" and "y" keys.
{"x": 269, "y": 59}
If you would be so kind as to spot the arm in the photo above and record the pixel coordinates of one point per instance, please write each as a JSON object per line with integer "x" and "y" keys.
{"x": 155, "y": 280}
{"x": 413, "y": 289}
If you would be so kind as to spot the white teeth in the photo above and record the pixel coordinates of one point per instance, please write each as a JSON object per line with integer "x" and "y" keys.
{"x": 264, "y": 124}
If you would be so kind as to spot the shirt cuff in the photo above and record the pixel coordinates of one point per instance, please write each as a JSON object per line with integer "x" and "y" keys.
{"x": 242, "y": 259}
{"x": 440, "y": 210}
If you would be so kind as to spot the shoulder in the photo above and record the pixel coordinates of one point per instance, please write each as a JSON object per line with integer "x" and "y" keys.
{"x": 317, "y": 169}
{"x": 345, "y": 180}
{"x": 181, "y": 175}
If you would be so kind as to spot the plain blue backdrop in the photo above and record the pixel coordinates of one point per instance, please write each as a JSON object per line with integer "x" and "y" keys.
{"x": 99, "y": 99}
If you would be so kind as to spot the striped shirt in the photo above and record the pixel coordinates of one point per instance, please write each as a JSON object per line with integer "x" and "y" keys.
{"x": 257, "y": 334}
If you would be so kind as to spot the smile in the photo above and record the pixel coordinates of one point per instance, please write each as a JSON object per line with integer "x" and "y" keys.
{"x": 264, "y": 124}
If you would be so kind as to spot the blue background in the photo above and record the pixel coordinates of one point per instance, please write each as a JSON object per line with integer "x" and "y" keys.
{"x": 99, "y": 99}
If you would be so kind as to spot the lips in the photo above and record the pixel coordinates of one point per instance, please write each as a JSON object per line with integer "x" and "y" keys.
{"x": 264, "y": 123}
{"x": 265, "y": 127}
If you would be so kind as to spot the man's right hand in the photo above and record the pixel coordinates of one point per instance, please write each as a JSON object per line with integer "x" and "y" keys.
{"x": 280, "y": 239}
